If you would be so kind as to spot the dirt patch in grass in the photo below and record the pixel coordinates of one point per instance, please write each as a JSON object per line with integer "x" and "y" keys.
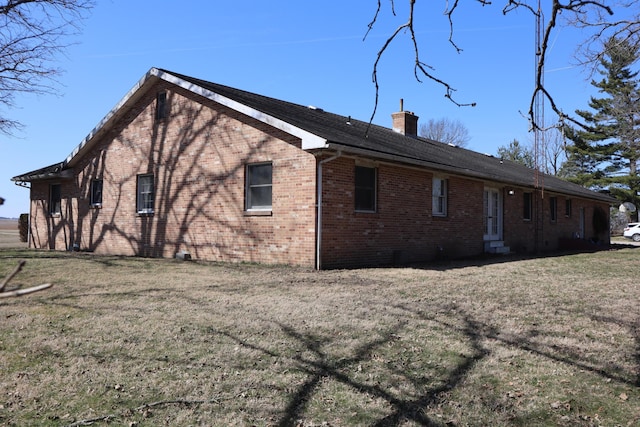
{"x": 550, "y": 341}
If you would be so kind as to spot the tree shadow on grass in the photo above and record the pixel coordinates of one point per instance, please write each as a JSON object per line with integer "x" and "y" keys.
{"x": 319, "y": 365}
{"x": 555, "y": 352}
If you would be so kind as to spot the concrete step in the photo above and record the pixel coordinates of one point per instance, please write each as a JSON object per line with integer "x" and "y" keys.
{"x": 496, "y": 247}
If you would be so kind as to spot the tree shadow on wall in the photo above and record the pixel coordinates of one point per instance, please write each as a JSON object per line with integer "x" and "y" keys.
{"x": 191, "y": 178}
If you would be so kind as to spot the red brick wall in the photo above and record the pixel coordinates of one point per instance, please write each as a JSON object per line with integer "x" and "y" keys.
{"x": 403, "y": 228}
{"x": 198, "y": 157}
{"x": 519, "y": 233}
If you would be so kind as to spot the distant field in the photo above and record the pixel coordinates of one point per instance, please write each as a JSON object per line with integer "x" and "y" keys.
{"x": 9, "y": 235}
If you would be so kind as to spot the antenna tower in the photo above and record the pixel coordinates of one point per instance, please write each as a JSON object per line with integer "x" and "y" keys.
{"x": 538, "y": 112}
{"x": 538, "y": 134}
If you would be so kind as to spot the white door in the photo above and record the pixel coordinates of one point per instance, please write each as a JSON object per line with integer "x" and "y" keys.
{"x": 492, "y": 214}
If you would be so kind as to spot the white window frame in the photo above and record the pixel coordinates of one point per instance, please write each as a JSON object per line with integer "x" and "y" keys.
{"x": 439, "y": 196}
{"x": 145, "y": 203}
{"x": 249, "y": 185}
{"x": 92, "y": 193}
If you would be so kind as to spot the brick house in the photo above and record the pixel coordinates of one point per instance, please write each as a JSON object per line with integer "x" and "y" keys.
{"x": 186, "y": 166}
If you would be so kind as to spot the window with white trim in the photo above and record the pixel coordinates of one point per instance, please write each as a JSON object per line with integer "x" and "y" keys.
{"x": 259, "y": 187}
{"x": 365, "y": 189}
{"x": 439, "y": 197}
{"x": 145, "y": 194}
{"x": 96, "y": 193}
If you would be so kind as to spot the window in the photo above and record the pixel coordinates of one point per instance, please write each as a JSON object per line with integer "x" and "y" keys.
{"x": 259, "y": 186}
{"x": 527, "y": 207}
{"x": 439, "y": 197}
{"x": 161, "y": 105}
{"x": 553, "y": 208}
{"x": 55, "y": 207}
{"x": 567, "y": 208}
{"x": 144, "y": 196}
{"x": 365, "y": 194}
{"x": 96, "y": 192}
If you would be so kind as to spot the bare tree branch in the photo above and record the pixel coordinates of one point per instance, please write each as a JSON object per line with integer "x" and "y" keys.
{"x": 19, "y": 292}
{"x": 26, "y": 291}
{"x": 32, "y": 34}
{"x": 146, "y": 406}
{"x": 592, "y": 16}
{"x": 420, "y": 67}
{"x": 12, "y": 274}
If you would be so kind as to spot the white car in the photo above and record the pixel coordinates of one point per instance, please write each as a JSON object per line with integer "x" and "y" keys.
{"x": 632, "y": 231}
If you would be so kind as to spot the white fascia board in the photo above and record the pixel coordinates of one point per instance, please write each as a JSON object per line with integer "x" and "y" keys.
{"x": 110, "y": 115}
{"x": 309, "y": 140}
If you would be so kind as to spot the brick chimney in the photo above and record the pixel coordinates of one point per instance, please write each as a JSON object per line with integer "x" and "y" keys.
{"x": 405, "y": 122}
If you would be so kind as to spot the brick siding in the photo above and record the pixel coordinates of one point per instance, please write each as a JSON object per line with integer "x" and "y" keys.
{"x": 403, "y": 228}
{"x": 198, "y": 156}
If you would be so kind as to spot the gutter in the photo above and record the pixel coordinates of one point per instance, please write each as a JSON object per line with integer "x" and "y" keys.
{"x": 319, "y": 207}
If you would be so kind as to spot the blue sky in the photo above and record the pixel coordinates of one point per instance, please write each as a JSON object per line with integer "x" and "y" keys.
{"x": 311, "y": 53}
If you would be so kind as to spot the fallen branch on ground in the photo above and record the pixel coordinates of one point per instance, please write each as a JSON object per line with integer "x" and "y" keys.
{"x": 19, "y": 292}
{"x": 111, "y": 417}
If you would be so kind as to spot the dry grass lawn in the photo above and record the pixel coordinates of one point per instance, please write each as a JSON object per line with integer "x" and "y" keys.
{"x": 139, "y": 342}
{"x": 9, "y": 234}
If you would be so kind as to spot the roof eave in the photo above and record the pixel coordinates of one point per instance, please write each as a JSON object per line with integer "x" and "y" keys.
{"x": 347, "y": 149}
{"x": 63, "y": 175}
{"x": 309, "y": 140}
{"x": 118, "y": 110}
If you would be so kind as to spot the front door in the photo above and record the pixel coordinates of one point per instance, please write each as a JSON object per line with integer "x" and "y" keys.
{"x": 492, "y": 214}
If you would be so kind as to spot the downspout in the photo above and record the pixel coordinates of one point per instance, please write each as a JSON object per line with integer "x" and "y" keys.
{"x": 319, "y": 213}
{"x": 29, "y": 224}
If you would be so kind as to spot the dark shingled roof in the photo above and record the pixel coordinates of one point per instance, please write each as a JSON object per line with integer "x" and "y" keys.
{"x": 362, "y": 138}
{"x": 355, "y": 136}
{"x": 54, "y": 171}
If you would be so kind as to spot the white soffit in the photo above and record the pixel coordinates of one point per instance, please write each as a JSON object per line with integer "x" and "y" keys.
{"x": 110, "y": 115}
{"x": 309, "y": 140}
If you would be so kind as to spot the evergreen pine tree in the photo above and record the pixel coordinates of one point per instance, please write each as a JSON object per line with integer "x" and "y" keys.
{"x": 604, "y": 153}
